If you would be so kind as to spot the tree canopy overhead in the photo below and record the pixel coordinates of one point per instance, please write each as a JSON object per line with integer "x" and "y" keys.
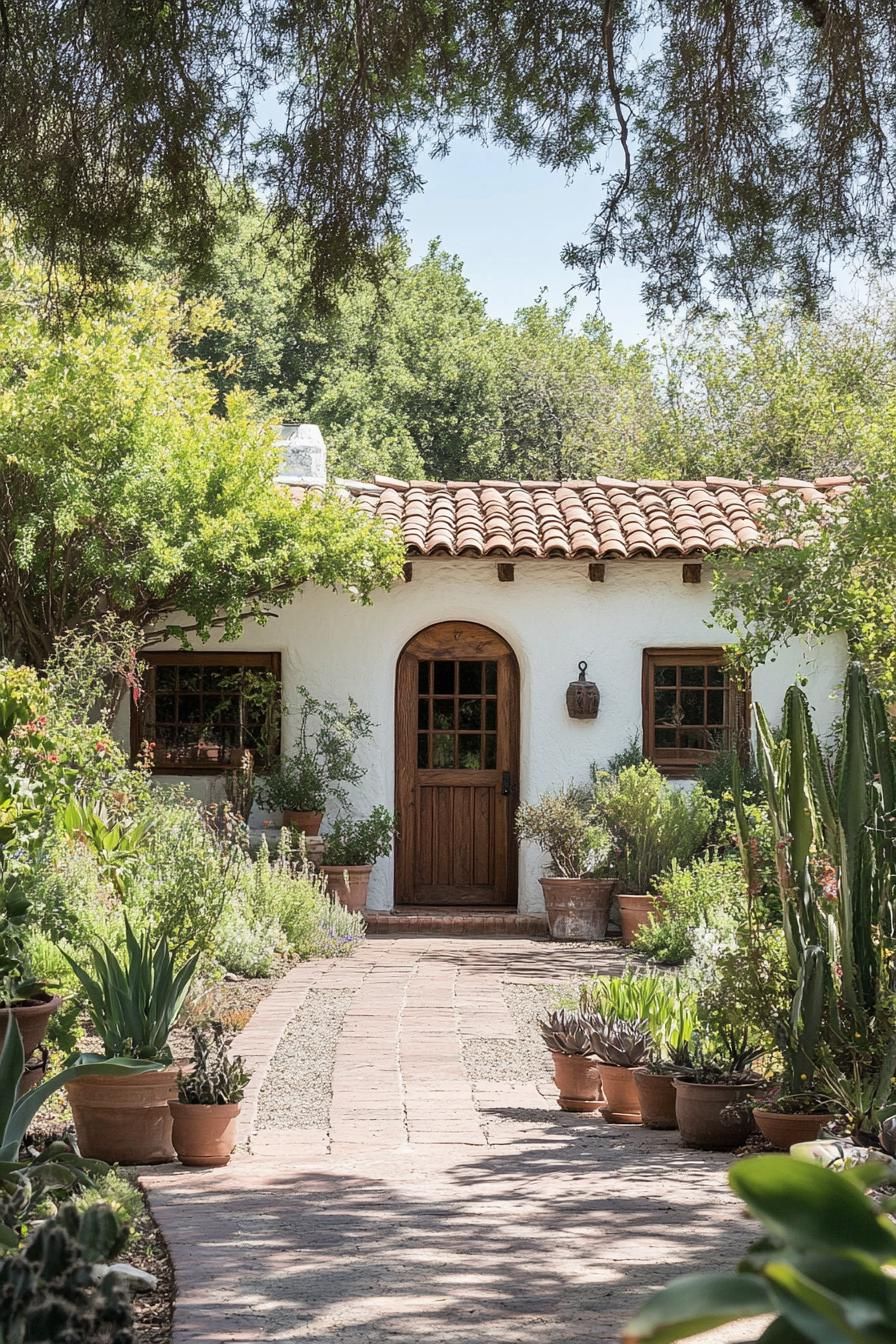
{"x": 736, "y": 146}
{"x": 122, "y": 495}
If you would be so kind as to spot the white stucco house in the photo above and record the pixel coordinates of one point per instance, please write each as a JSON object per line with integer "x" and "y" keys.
{"x": 509, "y": 587}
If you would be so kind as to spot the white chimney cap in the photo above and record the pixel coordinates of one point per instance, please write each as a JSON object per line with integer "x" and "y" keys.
{"x": 303, "y": 454}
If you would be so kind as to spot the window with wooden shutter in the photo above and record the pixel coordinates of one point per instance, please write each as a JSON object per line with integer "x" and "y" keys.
{"x": 693, "y": 709}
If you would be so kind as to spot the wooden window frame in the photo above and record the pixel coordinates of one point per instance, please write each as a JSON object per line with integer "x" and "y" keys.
{"x": 684, "y": 764}
{"x": 269, "y": 662}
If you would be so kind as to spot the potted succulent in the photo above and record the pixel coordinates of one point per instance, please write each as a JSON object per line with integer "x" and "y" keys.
{"x": 650, "y": 825}
{"x": 351, "y": 848}
{"x": 568, "y": 1037}
{"x": 321, "y": 766}
{"x": 133, "y": 1002}
{"x": 207, "y": 1108}
{"x": 576, "y": 897}
{"x": 620, "y": 1046}
{"x": 712, "y": 1096}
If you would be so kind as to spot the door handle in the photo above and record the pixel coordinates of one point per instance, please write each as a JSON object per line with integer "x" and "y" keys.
{"x": 505, "y": 784}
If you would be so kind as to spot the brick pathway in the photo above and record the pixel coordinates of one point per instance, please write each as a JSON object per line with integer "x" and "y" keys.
{"x": 435, "y": 1207}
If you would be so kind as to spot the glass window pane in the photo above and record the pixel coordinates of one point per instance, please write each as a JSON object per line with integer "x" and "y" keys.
{"x": 491, "y": 678}
{"x": 166, "y": 678}
{"x": 692, "y": 707}
{"x": 443, "y": 713}
{"x": 190, "y": 678}
{"x": 470, "y": 752}
{"x": 491, "y": 714}
{"x": 692, "y": 674}
{"x": 715, "y": 707}
{"x": 443, "y": 751}
{"x": 422, "y": 750}
{"x": 695, "y": 741}
{"x": 422, "y": 713}
{"x": 190, "y": 709}
{"x": 470, "y": 715}
{"x": 664, "y": 737}
{"x": 664, "y": 707}
{"x": 490, "y": 758}
{"x": 664, "y": 676}
{"x": 470, "y": 678}
{"x": 423, "y": 678}
{"x": 443, "y": 678}
{"x": 165, "y": 708}
{"x": 714, "y": 675}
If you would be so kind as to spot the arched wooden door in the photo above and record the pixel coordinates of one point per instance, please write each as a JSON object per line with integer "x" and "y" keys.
{"x": 457, "y": 767}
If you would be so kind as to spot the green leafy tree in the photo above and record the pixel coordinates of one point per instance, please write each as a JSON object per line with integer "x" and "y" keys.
{"x": 748, "y": 144}
{"x": 122, "y": 492}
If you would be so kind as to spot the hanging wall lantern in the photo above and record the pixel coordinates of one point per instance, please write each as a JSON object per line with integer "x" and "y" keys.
{"x": 582, "y": 697}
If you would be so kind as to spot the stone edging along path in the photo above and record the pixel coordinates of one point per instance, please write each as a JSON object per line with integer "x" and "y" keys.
{"x": 442, "y": 1198}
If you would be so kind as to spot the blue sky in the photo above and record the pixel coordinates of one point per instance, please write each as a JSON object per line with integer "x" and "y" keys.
{"x": 508, "y": 222}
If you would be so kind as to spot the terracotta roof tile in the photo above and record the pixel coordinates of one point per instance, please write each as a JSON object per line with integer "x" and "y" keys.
{"x": 603, "y": 517}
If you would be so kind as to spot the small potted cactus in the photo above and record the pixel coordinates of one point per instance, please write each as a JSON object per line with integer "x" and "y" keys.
{"x": 568, "y": 1037}
{"x": 620, "y": 1046}
{"x": 208, "y": 1102}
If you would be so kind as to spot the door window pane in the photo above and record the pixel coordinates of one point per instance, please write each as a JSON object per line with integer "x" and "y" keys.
{"x": 443, "y": 751}
{"x": 490, "y": 757}
{"x": 491, "y": 678}
{"x": 470, "y": 753}
{"x": 443, "y": 713}
{"x": 470, "y": 714}
{"x": 423, "y": 671}
{"x": 443, "y": 678}
{"x": 422, "y": 713}
{"x": 422, "y": 750}
{"x": 491, "y": 714}
{"x": 470, "y": 678}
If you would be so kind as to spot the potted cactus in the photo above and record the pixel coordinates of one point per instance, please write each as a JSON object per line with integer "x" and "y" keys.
{"x": 568, "y": 1037}
{"x": 207, "y": 1108}
{"x": 620, "y": 1045}
{"x": 576, "y": 896}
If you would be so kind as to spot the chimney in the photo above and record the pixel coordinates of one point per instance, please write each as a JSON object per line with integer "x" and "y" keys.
{"x": 303, "y": 454}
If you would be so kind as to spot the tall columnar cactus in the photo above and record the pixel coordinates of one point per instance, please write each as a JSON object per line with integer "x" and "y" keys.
{"x": 834, "y": 832}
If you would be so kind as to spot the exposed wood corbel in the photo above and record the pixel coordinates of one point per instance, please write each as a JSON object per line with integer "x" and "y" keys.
{"x": 597, "y": 571}
{"x": 408, "y": 572}
{"x": 691, "y": 573}
{"x": 505, "y": 573}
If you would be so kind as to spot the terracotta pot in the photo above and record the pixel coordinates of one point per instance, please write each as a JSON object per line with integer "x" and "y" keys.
{"x": 32, "y": 1018}
{"x": 204, "y": 1136}
{"x": 656, "y": 1099}
{"x": 308, "y": 823}
{"x": 34, "y": 1072}
{"x": 623, "y": 1107}
{"x": 782, "y": 1128}
{"x": 706, "y": 1113}
{"x": 348, "y": 883}
{"x": 633, "y": 912}
{"x": 578, "y": 1078}
{"x": 125, "y": 1119}
{"x": 578, "y": 908}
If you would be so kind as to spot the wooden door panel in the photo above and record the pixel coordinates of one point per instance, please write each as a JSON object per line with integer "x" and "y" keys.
{"x": 457, "y": 753}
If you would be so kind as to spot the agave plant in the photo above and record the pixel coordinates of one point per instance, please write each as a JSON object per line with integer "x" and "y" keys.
{"x": 134, "y": 1002}
{"x": 216, "y": 1079}
{"x": 623, "y": 1043}
{"x": 567, "y": 1033}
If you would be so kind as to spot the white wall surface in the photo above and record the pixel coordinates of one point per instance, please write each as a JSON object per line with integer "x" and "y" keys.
{"x": 552, "y": 616}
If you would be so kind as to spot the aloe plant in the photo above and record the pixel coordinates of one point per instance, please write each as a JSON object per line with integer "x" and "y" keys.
{"x": 134, "y": 1002}
{"x": 835, "y": 845}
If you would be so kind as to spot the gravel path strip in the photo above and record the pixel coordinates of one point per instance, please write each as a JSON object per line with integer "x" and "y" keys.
{"x": 523, "y": 1058}
{"x": 297, "y": 1090}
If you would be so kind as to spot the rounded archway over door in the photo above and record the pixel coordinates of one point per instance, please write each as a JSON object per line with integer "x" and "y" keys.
{"x": 457, "y": 732}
